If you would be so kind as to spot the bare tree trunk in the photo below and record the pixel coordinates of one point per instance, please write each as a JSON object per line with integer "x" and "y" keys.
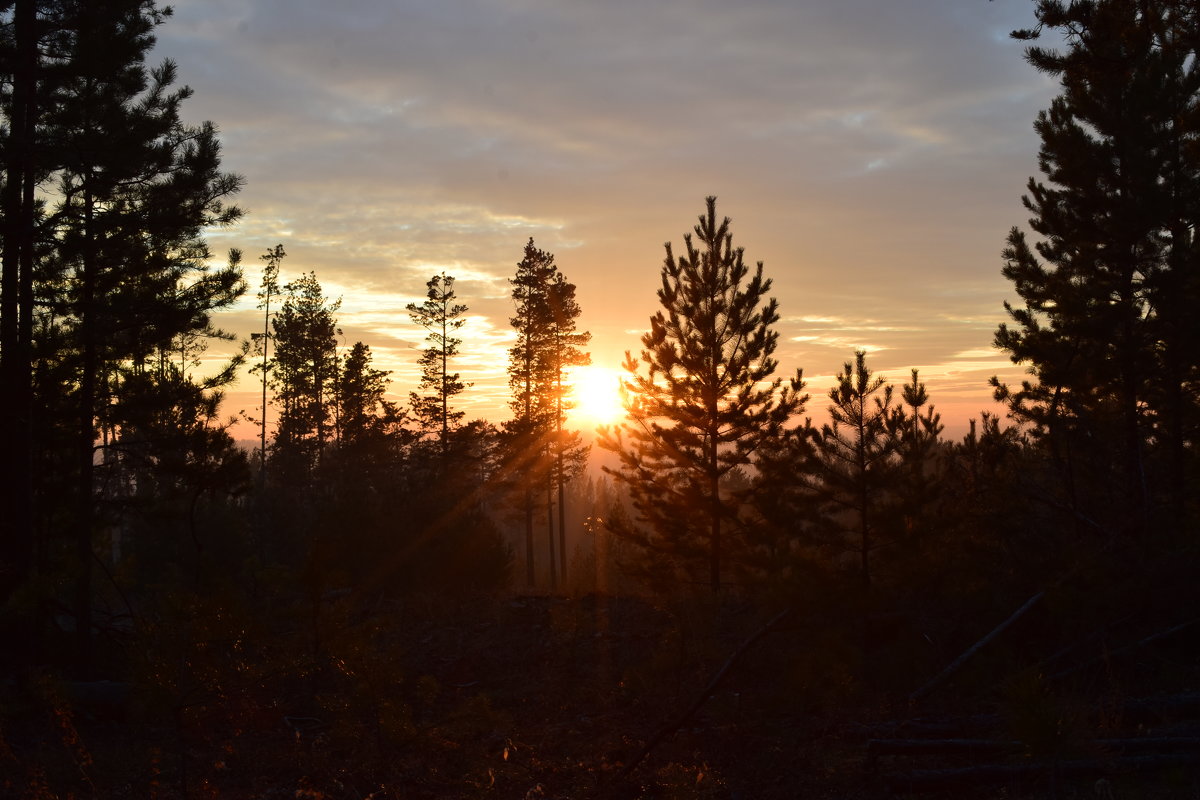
{"x": 85, "y": 501}
{"x": 561, "y": 479}
{"x": 530, "y": 574}
{"x": 550, "y": 533}
{"x": 562, "y": 516}
{"x": 714, "y": 567}
{"x": 16, "y": 312}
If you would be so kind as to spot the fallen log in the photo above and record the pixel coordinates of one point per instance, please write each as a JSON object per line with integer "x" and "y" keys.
{"x": 942, "y": 780}
{"x": 1161, "y": 745}
{"x": 1153, "y": 710}
{"x": 676, "y": 723}
{"x": 1154, "y": 745}
{"x": 934, "y": 747}
{"x": 957, "y": 664}
{"x": 1126, "y": 650}
{"x": 1146, "y": 711}
{"x": 965, "y": 727}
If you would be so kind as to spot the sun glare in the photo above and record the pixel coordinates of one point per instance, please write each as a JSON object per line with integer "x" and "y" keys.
{"x": 597, "y": 396}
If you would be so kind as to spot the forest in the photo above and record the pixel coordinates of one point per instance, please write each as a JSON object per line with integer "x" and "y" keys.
{"x": 386, "y": 599}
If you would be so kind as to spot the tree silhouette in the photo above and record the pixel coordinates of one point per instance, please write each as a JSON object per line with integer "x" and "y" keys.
{"x": 262, "y": 344}
{"x": 304, "y": 373}
{"x": 917, "y": 447}
{"x": 1106, "y": 325}
{"x": 561, "y": 350}
{"x": 17, "y": 300}
{"x": 360, "y": 393}
{"x": 123, "y": 272}
{"x": 856, "y": 446}
{"x": 529, "y": 375}
{"x": 441, "y": 317}
{"x": 703, "y": 405}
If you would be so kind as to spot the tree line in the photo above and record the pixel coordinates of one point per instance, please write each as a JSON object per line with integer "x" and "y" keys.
{"x": 334, "y": 427}
{"x": 123, "y": 486}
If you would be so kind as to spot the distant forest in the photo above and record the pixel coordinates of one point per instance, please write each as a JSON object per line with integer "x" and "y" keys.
{"x": 330, "y": 612}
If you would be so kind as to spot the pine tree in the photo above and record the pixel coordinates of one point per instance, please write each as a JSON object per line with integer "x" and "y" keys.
{"x": 703, "y": 406}
{"x": 16, "y": 299}
{"x": 304, "y": 375}
{"x": 525, "y": 435}
{"x": 917, "y": 448}
{"x": 123, "y": 272}
{"x": 441, "y": 317}
{"x": 1105, "y": 327}
{"x": 856, "y": 447}
{"x": 359, "y": 395}
{"x": 548, "y": 346}
{"x": 562, "y": 351}
{"x": 262, "y": 344}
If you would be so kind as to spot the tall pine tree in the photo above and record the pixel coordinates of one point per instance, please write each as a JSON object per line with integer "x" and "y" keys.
{"x": 856, "y": 448}
{"x": 304, "y": 374}
{"x": 1104, "y": 326}
{"x": 262, "y": 345}
{"x": 120, "y": 282}
{"x": 441, "y": 317}
{"x": 702, "y": 400}
{"x": 525, "y": 438}
{"x": 562, "y": 350}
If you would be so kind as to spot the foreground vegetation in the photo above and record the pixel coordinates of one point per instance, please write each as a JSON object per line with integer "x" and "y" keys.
{"x": 558, "y": 696}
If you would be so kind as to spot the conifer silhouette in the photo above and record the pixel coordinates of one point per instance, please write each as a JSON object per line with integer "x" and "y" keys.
{"x": 701, "y": 400}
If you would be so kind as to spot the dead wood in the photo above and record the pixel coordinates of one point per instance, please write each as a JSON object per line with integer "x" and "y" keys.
{"x": 1154, "y": 710}
{"x": 925, "y": 747}
{"x": 1159, "y": 745}
{"x": 957, "y": 664}
{"x": 1127, "y": 649}
{"x": 677, "y": 722}
{"x": 963, "y": 727}
{"x": 939, "y": 780}
{"x": 1146, "y": 711}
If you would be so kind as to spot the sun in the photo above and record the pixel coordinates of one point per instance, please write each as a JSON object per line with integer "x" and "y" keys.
{"x": 596, "y": 395}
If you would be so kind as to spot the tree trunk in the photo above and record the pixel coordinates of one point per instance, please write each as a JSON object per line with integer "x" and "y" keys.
{"x": 530, "y": 575}
{"x": 16, "y": 312}
{"x": 561, "y": 479}
{"x": 550, "y": 532}
{"x": 715, "y": 522}
{"x": 562, "y": 513}
{"x": 85, "y": 501}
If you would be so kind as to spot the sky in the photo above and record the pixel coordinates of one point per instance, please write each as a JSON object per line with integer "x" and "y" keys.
{"x": 871, "y": 154}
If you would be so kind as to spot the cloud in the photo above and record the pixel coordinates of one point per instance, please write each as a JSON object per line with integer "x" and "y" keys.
{"x": 871, "y": 154}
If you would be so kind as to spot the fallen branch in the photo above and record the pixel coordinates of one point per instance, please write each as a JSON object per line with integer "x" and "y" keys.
{"x": 964, "y": 727}
{"x": 957, "y": 664}
{"x": 1146, "y": 711}
{"x": 1154, "y": 710}
{"x": 1097, "y": 635}
{"x": 1153, "y": 745}
{"x": 932, "y": 780}
{"x": 924, "y": 747}
{"x": 676, "y": 723}
{"x": 1152, "y": 638}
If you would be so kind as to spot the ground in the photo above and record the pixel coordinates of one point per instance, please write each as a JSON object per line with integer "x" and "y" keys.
{"x": 513, "y": 697}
